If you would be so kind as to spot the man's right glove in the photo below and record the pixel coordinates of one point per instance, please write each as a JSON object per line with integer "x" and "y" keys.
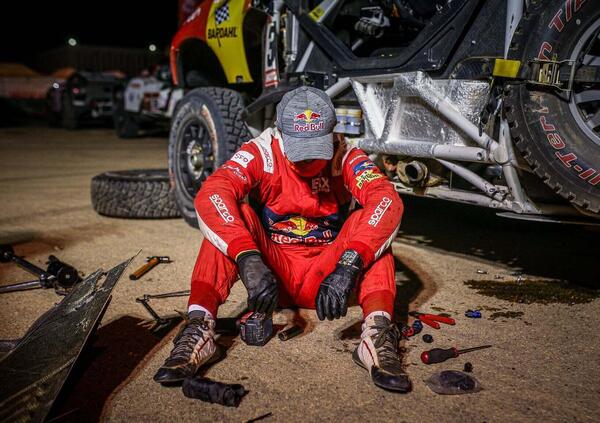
{"x": 334, "y": 292}
{"x": 260, "y": 283}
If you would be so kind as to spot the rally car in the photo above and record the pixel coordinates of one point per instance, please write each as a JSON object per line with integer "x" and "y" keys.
{"x": 147, "y": 102}
{"x": 84, "y": 97}
{"x": 488, "y": 102}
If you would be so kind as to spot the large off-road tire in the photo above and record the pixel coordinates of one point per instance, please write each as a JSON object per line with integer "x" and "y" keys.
{"x": 206, "y": 130}
{"x": 140, "y": 194}
{"x": 557, "y": 135}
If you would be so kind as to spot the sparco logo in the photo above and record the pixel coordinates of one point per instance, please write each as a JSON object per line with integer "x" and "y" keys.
{"x": 380, "y": 211}
{"x": 221, "y": 207}
{"x": 268, "y": 159}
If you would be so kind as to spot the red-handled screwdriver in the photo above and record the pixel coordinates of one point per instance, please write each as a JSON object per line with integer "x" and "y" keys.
{"x": 439, "y": 355}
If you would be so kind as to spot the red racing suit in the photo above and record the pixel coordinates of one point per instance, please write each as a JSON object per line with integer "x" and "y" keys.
{"x": 301, "y": 229}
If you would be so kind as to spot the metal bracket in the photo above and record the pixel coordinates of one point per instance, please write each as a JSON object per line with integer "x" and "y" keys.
{"x": 548, "y": 73}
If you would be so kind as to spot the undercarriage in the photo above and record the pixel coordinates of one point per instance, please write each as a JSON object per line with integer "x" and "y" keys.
{"x": 425, "y": 134}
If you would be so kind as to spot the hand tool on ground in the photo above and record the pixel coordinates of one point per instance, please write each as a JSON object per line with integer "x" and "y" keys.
{"x": 58, "y": 275}
{"x": 439, "y": 355}
{"x": 289, "y": 333}
{"x": 256, "y": 328}
{"x": 145, "y": 301}
{"x": 225, "y": 325}
{"x": 433, "y": 320}
{"x": 152, "y": 262}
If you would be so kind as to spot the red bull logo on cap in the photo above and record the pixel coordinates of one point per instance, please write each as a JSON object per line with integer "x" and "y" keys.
{"x": 307, "y": 116}
{"x": 308, "y": 121}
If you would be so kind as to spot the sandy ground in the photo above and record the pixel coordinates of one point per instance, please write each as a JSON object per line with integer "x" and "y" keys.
{"x": 543, "y": 365}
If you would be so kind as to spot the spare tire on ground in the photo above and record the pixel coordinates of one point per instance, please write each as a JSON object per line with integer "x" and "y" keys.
{"x": 139, "y": 194}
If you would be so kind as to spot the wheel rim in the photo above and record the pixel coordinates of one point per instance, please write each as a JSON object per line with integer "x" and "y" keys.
{"x": 585, "y": 99}
{"x": 196, "y": 156}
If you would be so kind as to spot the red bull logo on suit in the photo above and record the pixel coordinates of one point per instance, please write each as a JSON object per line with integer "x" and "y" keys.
{"x": 296, "y": 225}
{"x": 294, "y": 229}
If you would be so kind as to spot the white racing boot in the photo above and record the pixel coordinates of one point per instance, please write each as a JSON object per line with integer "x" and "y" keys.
{"x": 378, "y": 353}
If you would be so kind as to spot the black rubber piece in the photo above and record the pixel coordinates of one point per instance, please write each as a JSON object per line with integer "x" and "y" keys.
{"x": 428, "y": 338}
{"x": 224, "y": 108}
{"x": 139, "y": 194}
{"x": 214, "y": 392}
{"x": 468, "y": 367}
{"x": 541, "y": 123}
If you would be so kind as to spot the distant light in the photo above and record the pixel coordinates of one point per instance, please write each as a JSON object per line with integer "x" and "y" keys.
{"x": 55, "y": 85}
{"x": 152, "y": 47}
{"x": 72, "y": 42}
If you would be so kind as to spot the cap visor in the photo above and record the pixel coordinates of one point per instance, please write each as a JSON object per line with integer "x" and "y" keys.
{"x": 316, "y": 148}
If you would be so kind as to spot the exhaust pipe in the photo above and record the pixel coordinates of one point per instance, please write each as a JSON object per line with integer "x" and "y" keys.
{"x": 416, "y": 172}
{"x": 413, "y": 173}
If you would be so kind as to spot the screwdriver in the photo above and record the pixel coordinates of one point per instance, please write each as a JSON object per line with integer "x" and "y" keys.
{"x": 439, "y": 355}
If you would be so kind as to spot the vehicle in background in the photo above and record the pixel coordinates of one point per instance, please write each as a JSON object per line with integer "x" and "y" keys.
{"x": 84, "y": 97}
{"x": 147, "y": 102}
{"x": 494, "y": 103}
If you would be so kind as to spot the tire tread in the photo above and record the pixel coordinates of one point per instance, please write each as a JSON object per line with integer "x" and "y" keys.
{"x": 116, "y": 196}
{"x": 518, "y": 123}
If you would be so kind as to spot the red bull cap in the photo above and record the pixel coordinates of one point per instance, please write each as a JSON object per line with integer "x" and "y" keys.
{"x": 305, "y": 119}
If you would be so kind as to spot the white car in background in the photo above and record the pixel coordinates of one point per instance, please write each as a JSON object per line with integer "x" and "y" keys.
{"x": 146, "y": 103}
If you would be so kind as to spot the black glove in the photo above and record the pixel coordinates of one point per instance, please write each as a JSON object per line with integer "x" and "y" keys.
{"x": 332, "y": 298}
{"x": 260, "y": 283}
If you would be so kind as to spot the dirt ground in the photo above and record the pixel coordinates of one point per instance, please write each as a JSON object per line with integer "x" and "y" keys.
{"x": 543, "y": 365}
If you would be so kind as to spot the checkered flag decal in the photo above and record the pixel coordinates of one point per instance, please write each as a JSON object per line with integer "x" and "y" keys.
{"x": 222, "y": 14}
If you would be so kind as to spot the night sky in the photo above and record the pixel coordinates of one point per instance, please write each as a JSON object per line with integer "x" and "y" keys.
{"x": 32, "y": 27}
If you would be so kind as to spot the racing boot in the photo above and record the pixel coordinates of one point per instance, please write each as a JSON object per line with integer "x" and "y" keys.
{"x": 378, "y": 353}
{"x": 194, "y": 346}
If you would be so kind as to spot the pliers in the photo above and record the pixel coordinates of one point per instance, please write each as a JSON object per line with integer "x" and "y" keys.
{"x": 433, "y": 319}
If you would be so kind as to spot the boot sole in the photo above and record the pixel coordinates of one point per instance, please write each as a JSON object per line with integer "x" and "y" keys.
{"x": 356, "y": 359}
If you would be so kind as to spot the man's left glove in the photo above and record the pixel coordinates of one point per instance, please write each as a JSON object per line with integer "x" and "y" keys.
{"x": 260, "y": 283}
{"x": 332, "y": 298}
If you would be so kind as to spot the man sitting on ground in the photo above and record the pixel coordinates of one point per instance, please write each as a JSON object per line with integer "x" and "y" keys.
{"x": 302, "y": 248}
